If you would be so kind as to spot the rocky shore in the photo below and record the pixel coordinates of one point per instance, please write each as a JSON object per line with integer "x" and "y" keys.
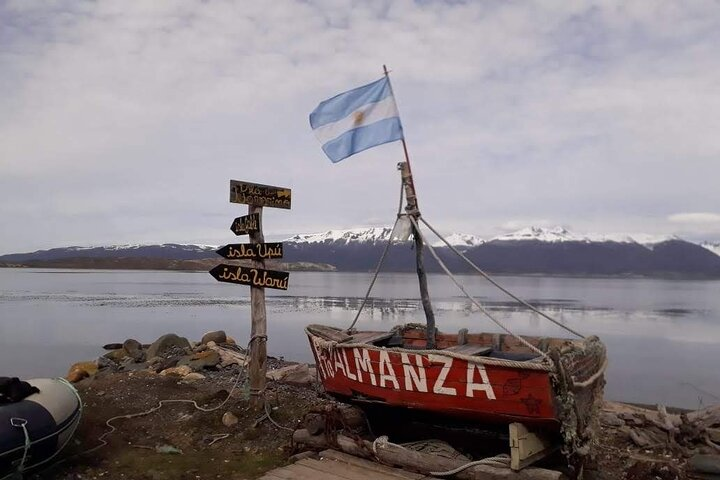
{"x": 226, "y": 438}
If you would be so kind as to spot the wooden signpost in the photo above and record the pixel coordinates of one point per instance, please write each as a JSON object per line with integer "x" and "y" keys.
{"x": 246, "y": 224}
{"x": 251, "y": 251}
{"x": 256, "y": 196}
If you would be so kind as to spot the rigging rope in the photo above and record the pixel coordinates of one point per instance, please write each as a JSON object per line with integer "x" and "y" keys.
{"x": 380, "y": 263}
{"x": 491, "y": 280}
{"x": 470, "y": 297}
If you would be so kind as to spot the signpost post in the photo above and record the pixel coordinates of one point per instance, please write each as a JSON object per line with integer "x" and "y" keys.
{"x": 256, "y": 196}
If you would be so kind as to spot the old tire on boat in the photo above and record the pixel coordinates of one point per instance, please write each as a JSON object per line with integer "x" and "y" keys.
{"x": 49, "y": 418}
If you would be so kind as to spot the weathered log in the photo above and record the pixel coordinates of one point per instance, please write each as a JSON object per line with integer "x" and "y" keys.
{"x": 314, "y": 423}
{"x": 424, "y": 463}
{"x": 396, "y": 455}
{"x": 346, "y": 444}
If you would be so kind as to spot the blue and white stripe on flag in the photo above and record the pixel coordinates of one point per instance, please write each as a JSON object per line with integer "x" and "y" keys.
{"x": 356, "y": 120}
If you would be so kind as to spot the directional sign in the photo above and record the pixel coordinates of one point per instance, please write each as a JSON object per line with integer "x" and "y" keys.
{"x": 259, "y": 195}
{"x": 251, "y": 251}
{"x": 246, "y": 224}
{"x": 254, "y": 277}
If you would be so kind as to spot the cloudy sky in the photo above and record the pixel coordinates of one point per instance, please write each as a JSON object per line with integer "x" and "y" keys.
{"x": 123, "y": 122}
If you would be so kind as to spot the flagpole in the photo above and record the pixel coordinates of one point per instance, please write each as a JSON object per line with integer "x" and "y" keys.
{"x": 412, "y": 210}
{"x": 404, "y": 145}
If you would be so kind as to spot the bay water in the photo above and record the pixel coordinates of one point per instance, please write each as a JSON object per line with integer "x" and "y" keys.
{"x": 663, "y": 336}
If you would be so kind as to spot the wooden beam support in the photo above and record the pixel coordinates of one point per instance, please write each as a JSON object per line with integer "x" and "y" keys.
{"x": 528, "y": 447}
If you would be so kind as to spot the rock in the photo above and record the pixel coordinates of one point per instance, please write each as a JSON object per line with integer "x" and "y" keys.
{"x": 164, "y": 363}
{"x": 705, "y": 464}
{"x": 217, "y": 337}
{"x": 293, "y": 374}
{"x": 117, "y": 356}
{"x": 206, "y": 359}
{"x": 81, "y": 370}
{"x": 193, "y": 377}
{"x": 228, "y": 357}
{"x": 180, "y": 371}
{"x": 228, "y": 419}
{"x": 113, "y": 346}
{"x": 167, "y": 343}
{"x": 611, "y": 420}
{"x": 230, "y": 341}
{"x": 654, "y": 470}
{"x": 134, "y": 349}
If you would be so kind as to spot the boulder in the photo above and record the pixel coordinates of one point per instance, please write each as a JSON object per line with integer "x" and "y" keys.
{"x": 217, "y": 337}
{"x": 117, "y": 356}
{"x": 709, "y": 464}
{"x": 180, "y": 371}
{"x": 230, "y": 341}
{"x": 166, "y": 344}
{"x": 293, "y": 374}
{"x": 201, "y": 360}
{"x": 134, "y": 349}
{"x": 81, "y": 370}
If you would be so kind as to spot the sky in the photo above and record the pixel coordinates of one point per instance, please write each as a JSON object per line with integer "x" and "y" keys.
{"x": 123, "y": 122}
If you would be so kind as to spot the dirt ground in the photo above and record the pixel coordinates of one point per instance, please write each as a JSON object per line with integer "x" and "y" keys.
{"x": 148, "y": 447}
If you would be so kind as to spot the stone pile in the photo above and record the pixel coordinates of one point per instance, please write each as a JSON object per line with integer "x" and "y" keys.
{"x": 173, "y": 355}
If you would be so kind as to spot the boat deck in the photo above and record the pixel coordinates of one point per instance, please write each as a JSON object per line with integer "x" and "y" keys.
{"x": 334, "y": 465}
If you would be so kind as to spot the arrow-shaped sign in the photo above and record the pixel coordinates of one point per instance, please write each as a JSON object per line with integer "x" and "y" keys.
{"x": 251, "y": 251}
{"x": 246, "y": 224}
{"x": 254, "y": 277}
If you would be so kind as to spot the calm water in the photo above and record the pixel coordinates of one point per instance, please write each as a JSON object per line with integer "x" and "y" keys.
{"x": 663, "y": 336}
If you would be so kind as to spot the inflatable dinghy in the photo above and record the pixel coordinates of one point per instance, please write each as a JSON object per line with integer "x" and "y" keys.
{"x": 34, "y": 430}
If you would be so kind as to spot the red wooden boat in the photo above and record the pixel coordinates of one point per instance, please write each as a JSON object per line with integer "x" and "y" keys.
{"x": 491, "y": 378}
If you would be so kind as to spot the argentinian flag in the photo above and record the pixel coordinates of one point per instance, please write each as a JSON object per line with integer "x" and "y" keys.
{"x": 357, "y": 120}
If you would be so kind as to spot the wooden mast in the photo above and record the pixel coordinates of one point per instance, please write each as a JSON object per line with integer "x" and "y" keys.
{"x": 412, "y": 209}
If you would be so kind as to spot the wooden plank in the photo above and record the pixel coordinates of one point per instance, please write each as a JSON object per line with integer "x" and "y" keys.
{"x": 345, "y": 470}
{"x": 329, "y": 333}
{"x": 246, "y": 224}
{"x": 252, "y": 276}
{"x": 527, "y": 447}
{"x": 371, "y": 337}
{"x": 259, "y": 195}
{"x": 370, "y": 466}
{"x": 311, "y": 473}
{"x": 469, "y": 349}
{"x": 251, "y": 251}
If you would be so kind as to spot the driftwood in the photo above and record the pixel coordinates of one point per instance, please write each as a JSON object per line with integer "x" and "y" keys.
{"x": 396, "y": 455}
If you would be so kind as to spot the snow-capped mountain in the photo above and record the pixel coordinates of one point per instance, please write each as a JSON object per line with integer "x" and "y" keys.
{"x": 712, "y": 246}
{"x": 460, "y": 240}
{"x": 352, "y": 235}
{"x": 554, "y": 234}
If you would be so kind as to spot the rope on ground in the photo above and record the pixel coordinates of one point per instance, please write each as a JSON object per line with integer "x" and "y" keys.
{"x": 380, "y": 262}
{"x": 470, "y": 297}
{"x": 492, "y": 280}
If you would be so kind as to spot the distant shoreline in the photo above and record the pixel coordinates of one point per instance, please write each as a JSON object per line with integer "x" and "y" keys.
{"x": 161, "y": 264}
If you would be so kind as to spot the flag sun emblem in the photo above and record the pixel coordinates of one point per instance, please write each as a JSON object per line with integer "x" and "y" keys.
{"x": 358, "y": 118}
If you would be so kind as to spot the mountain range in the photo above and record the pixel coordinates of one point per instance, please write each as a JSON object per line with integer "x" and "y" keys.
{"x": 532, "y": 250}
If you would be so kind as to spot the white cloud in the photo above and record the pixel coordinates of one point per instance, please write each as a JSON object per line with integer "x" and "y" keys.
{"x": 126, "y": 119}
{"x": 696, "y": 217}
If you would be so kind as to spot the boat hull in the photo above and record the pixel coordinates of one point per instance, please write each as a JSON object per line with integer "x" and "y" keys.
{"x": 473, "y": 388}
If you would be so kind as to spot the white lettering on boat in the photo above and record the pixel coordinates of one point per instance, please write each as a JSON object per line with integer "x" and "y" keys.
{"x": 362, "y": 363}
{"x": 484, "y": 386}
{"x": 386, "y": 366}
{"x": 379, "y": 368}
{"x": 439, "y": 386}
{"x": 412, "y": 376}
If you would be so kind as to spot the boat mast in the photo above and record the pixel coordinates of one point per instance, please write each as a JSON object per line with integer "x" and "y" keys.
{"x": 412, "y": 209}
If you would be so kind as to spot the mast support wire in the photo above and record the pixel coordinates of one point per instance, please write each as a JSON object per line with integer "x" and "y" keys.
{"x": 491, "y": 280}
{"x": 471, "y": 298}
